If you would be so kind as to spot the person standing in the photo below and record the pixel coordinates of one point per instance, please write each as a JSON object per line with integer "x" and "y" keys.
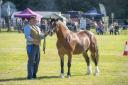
{"x": 111, "y": 30}
{"x": 116, "y": 28}
{"x": 33, "y": 37}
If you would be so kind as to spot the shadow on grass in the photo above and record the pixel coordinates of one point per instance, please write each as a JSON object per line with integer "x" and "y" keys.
{"x": 38, "y": 78}
{"x": 21, "y": 79}
{"x": 47, "y": 77}
{"x": 81, "y": 75}
{"x": 13, "y": 79}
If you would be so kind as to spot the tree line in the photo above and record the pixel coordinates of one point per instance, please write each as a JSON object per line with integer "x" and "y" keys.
{"x": 118, "y": 7}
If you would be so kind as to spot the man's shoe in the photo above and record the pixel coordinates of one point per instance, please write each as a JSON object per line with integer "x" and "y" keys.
{"x": 34, "y": 76}
{"x": 29, "y": 78}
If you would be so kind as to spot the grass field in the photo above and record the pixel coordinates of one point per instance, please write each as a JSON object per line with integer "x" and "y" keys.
{"x": 13, "y": 59}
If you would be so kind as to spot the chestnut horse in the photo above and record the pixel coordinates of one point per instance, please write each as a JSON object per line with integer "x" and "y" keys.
{"x": 69, "y": 43}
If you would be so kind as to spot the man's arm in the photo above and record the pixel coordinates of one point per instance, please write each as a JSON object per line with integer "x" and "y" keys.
{"x": 42, "y": 35}
{"x": 27, "y": 32}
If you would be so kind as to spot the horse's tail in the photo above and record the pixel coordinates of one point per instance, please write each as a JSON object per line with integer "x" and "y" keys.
{"x": 95, "y": 50}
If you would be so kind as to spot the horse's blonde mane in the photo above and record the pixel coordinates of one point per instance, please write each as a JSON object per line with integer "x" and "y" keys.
{"x": 61, "y": 23}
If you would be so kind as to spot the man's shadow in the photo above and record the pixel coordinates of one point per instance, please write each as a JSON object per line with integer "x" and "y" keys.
{"x": 20, "y": 79}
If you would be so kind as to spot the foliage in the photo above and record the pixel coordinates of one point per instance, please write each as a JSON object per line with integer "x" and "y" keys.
{"x": 119, "y": 8}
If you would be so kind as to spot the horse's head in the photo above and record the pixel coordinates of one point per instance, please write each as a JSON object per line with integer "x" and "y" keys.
{"x": 53, "y": 26}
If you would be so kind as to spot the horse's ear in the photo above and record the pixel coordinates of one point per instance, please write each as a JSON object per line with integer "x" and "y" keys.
{"x": 53, "y": 20}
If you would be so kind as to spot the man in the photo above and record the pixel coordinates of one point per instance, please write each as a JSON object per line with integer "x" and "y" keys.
{"x": 116, "y": 28}
{"x": 33, "y": 37}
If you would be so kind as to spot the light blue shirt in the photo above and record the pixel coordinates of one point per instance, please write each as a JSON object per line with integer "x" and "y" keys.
{"x": 27, "y": 33}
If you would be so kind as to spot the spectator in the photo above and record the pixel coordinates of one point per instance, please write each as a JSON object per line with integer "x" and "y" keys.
{"x": 116, "y": 28}
{"x": 111, "y": 30}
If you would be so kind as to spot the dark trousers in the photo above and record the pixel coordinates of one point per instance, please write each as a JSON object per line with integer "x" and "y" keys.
{"x": 33, "y": 52}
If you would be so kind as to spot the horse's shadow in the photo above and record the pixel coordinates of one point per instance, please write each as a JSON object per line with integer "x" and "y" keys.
{"x": 48, "y": 77}
{"x": 24, "y": 78}
{"x": 80, "y": 75}
{"x": 38, "y": 78}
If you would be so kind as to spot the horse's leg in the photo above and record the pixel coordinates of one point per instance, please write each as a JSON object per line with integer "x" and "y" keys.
{"x": 87, "y": 59}
{"x": 62, "y": 65}
{"x": 95, "y": 58}
{"x": 69, "y": 65}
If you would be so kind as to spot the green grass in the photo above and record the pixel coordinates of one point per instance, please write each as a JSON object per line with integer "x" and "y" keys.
{"x": 13, "y": 60}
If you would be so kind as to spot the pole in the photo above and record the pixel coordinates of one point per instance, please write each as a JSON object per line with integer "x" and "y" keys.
{"x": 44, "y": 44}
{"x": 112, "y": 16}
{"x": 0, "y": 13}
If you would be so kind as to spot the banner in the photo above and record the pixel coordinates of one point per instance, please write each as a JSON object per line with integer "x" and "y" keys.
{"x": 102, "y": 9}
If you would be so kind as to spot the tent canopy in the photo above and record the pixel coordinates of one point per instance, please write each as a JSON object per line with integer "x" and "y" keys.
{"x": 92, "y": 13}
{"x": 27, "y": 13}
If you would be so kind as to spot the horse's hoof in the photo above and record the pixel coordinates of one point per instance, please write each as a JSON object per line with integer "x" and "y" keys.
{"x": 89, "y": 70}
{"x": 96, "y": 71}
{"x": 61, "y": 75}
{"x": 88, "y": 73}
{"x": 96, "y": 74}
{"x": 68, "y": 76}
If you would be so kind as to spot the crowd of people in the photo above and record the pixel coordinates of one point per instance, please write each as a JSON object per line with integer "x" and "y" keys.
{"x": 83, "y": 24}
{"x": 114, "y": 29}
{"x": 87, "y": 24}
{"x": 98, "y": 25}
{"x": 43, "y": 24}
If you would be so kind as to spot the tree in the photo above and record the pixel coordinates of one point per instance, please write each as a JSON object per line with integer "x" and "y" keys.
{"x": 7, "y": 11}
{"x": 118, "y": 7}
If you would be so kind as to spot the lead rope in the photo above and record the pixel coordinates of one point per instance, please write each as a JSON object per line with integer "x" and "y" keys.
{"x": 44, "y": 44}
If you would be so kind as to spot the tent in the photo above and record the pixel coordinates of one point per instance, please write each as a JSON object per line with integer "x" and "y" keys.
{"x": 27, "y": 13}
{"x": 92, "y": 13}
